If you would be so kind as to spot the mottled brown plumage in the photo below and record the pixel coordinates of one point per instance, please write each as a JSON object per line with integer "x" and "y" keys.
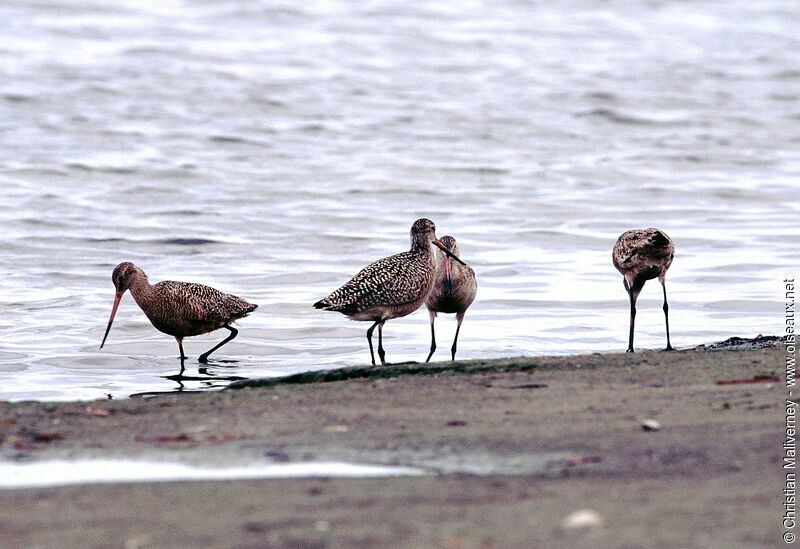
{"x": 453, "y": 291}
{"x": 180, "y": 309}
{"x": 641, "y": 255}
{"x": 391, "y": 287}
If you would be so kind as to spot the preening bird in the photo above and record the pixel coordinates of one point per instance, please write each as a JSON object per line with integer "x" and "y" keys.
{"x": 453, "y": 291}
{"x": 641, "y": 255}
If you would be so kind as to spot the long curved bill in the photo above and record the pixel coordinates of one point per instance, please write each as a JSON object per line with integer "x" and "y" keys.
{"x": 117, "y": 299}
{"x": 441, "y": 246}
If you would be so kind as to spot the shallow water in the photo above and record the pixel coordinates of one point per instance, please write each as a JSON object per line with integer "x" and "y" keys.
{"x": 272, "y": 151}
{"x": 60, "y": 473}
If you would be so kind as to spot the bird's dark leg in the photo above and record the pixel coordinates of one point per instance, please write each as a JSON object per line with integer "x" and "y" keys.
{"x": 369, "y": 340}
{"x": 182, "y": 358}
{"x": 180, "y": 346}
{"x": 381, "y": 352}
{"x": 433, "y": 335}
{"x": 666, "y": 316}
{"x": 460, "y": 319}
{"x": 633, "y": 293}
{"x": 234, "y": 332}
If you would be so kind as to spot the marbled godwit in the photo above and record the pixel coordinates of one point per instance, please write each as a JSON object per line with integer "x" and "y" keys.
{"x": 641, "y": 255}
{"x": 453, "y": 291}
{"x": 391, "y": 287}
{"x": 180, "y": 309}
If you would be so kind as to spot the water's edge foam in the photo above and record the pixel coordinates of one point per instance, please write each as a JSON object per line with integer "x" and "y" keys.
{"x": 62, "y": 472}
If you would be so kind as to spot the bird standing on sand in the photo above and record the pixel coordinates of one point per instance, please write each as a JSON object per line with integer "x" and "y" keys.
{"x": 453, "y": 291}
{"x": 641, "y": 255}
{"x": 391, "y": 287}
{"x": 180, "y": 309}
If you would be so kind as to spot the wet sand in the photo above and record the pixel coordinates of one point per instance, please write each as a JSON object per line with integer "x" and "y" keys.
{"x": 512, "y": 446}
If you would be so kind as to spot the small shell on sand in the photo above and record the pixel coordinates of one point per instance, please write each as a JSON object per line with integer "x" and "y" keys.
{"x": 650, "y": 425}
{"x": 583, "y": 518}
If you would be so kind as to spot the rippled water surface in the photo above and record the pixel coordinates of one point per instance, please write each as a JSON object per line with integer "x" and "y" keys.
{"x": 273, "y": 149}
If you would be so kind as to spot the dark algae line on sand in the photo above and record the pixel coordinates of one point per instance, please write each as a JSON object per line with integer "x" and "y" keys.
{"x": 519, "y": 364}
{"x": 395, "y": 370}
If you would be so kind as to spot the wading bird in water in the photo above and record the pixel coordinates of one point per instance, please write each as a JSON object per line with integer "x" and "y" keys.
{"x": 641, "y": 255}
{"x": 180, "y": 309}
{"x": 391, "y": 287}
{"x": 453, "y": 291}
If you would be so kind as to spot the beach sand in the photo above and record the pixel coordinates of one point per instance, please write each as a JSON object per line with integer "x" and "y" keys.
{"x": 511, "y": 448}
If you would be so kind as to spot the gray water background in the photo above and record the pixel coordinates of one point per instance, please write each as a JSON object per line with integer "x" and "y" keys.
{"x": 273, "y": 149}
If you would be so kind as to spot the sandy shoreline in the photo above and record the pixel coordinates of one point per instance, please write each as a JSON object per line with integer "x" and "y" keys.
{"x": 512, "y": 447}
